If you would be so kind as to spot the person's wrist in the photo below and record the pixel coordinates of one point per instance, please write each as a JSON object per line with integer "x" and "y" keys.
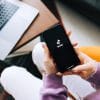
{"x": 49, "y": 73}
{"x": 45, "y": 73}
{"x": 50, "y": 69}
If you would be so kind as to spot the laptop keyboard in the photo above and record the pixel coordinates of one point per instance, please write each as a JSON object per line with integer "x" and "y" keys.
{"x": 7, "y": 10}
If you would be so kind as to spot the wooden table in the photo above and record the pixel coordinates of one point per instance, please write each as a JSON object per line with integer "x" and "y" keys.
{"x": 44, "y": 21}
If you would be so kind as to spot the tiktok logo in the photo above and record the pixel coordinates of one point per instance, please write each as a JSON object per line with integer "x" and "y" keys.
{"x": 59, "y": 43}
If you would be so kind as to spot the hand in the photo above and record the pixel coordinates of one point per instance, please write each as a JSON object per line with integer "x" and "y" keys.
{"x": 87, "y": 67}
{"x": 49, "y": 64}
{"x": 43, "y": 59}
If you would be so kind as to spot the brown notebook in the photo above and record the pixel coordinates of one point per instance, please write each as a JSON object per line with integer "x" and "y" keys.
{"x": 44, "y": 21}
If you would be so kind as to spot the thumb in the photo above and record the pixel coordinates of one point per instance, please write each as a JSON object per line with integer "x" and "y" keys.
{"x": 80, "y": 68}
{"x": 46, "y": 51}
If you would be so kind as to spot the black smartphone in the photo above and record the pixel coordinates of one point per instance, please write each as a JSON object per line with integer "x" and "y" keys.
{"x": 60, "y": 48}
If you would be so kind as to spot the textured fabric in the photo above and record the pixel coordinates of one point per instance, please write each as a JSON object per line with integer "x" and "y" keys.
{"x": 93, "y": 96}
{"x": 53, "y": 88}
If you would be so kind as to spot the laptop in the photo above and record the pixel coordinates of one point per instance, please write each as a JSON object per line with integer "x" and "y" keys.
{"x": 15, "y": 18}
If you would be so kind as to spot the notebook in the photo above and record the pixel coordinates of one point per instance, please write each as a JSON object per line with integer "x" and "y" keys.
{"x": 15, "y": 18}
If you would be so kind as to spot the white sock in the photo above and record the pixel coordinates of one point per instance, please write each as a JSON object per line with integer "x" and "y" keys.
{"x": 20, "y": 83}
{"x": 38, "y": 55}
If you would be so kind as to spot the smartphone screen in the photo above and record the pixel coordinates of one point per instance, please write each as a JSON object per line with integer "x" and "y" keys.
{"x": 61, "y": 48}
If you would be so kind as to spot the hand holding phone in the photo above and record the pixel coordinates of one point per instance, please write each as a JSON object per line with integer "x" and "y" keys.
{"x": 61, "y": 48}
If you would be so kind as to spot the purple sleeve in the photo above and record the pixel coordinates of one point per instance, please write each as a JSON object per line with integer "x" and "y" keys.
{"x": 93, "y": 96}
{"x": 53, "y": 88}
{"x": 95, "y": 79}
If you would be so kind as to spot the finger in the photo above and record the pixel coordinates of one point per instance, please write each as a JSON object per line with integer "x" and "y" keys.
{"x": 59, "y": 74}
{"x": 69, "y": 32}
{"x": 84, "y": 58}
{"x": 68, "y": 73}
{"x": 83, "y": 74}
{"x": 46, "y": 50}
{"x": 65, "y": 73}
{"x": 75, "y": 44}
{"x": 80, "y": 68}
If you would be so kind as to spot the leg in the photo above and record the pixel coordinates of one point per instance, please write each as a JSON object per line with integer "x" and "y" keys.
{"x": 20, "y": 83}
